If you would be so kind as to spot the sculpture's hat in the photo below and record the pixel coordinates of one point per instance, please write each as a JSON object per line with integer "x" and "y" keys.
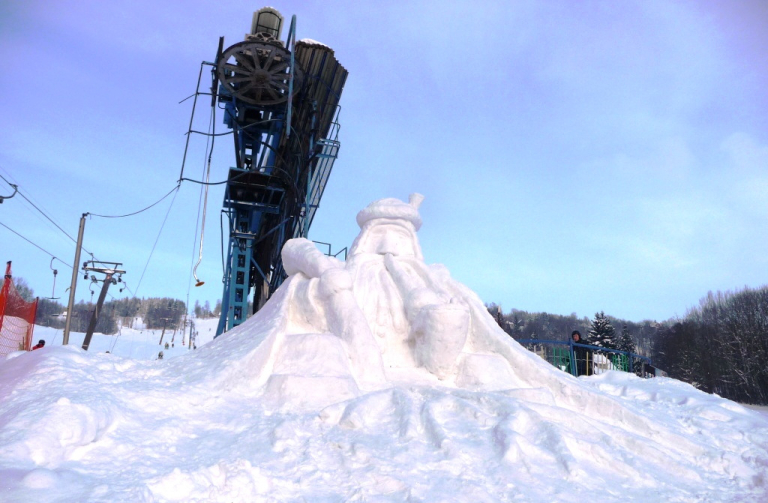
{"x": 394, "y": 209}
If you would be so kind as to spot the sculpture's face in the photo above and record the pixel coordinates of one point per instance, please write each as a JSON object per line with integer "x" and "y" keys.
{"x": 388, "y": 238}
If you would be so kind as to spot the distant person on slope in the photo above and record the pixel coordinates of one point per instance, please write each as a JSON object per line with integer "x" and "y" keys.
{"x": 582, "y": 355}
{"x": 40, "y": 344}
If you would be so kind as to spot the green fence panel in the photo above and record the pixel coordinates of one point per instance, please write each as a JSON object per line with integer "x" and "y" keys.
{"x": 620, "y": 362}
{"x": 561, "y": 358}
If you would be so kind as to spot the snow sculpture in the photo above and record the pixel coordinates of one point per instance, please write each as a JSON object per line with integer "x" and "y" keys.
{"x": 386, "y": 319}
{"x": 393, "y": 312}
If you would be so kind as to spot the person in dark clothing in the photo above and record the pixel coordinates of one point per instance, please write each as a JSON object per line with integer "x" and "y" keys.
{"x": 583, "y": 355}
{"x": 40, "y": 344}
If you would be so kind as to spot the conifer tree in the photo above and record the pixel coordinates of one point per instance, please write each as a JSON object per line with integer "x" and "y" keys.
{"x": 625, "y": 342}
{"x": 516, "y": 327}
{"x": 601, "y": 332}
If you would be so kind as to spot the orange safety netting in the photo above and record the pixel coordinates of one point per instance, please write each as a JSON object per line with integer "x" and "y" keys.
{"x": 17, "y": 318}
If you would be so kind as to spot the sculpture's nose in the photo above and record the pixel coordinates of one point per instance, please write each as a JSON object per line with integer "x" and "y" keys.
{"x": 388, "y": 245}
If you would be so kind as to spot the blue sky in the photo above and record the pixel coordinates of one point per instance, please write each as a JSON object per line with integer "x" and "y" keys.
{"x": 575, "y": 156}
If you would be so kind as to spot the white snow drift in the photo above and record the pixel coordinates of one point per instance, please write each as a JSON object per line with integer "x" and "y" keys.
{"x": 378, "y": 379}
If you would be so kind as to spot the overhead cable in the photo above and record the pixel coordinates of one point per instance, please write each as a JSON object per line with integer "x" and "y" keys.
{"x": 191, "y": 118}
{"x": 36, "y": 245}
{"x": 42, "y": 212}
{"x": 47, "y": 217}
{"x": 157, "y": 238}
{"x": 141, "y": 210}
{"x": 240, "y": 128}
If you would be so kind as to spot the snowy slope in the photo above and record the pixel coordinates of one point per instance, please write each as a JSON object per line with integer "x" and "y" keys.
{"x": 78, "y": 426}
{"x": 138, "y": 343}
{"x": 281, "y": 408}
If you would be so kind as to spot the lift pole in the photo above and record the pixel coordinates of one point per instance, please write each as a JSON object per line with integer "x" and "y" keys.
{"x": 97, "y": 311}
{"x": 73, "y": 285}
{"x": 108, "y": 280}
{"x": 162, "y": 334}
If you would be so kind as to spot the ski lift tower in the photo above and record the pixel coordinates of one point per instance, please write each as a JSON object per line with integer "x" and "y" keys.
{"x": 281, "y": 100}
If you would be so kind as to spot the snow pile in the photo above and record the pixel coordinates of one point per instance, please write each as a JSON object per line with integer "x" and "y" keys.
{"x": 378, "y": 379}
{"x": 309, "y": 41}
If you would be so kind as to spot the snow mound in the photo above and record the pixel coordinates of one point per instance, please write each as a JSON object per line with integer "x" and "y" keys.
{"x": 378, "y": 379}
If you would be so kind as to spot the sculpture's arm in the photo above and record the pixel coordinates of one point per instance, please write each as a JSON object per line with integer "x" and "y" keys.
{"x": 301, "y": 255}
{"x": 343, "y": 316}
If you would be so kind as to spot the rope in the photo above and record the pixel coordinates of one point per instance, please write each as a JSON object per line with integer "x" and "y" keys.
{"x": 44, "y": 214}
{"x": 53, "y": 339}
{"x": 157, "y": 239}
{"x": 47, "y": 217}
{"x": 141, "y": 210}
{"x": 214, "y": 135}
{"x": 125, "y": 285}
{"x": 114, "y": 342}
{"x": 214, "y": 183}
{"x": 242, "y": 129}
{"x": 194, "y": 241}
{"x": 36, "y": 245}
{"x": 212, "y": 127}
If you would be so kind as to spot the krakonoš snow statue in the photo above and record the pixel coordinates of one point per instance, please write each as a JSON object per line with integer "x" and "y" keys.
{"x": 385, "y": 303}
{"x": 386, "y": 316}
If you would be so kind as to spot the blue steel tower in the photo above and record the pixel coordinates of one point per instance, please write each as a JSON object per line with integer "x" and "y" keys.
{"x": 281, "y": 100}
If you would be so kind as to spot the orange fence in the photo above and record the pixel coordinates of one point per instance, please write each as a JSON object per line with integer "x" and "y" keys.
{"x": 17, "y": 318}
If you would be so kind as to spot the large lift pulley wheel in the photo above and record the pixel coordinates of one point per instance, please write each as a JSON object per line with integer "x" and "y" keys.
{"x": 258, "y": 73}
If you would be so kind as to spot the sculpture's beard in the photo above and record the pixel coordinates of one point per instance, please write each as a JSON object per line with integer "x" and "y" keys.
{"x": 381, "y": 300}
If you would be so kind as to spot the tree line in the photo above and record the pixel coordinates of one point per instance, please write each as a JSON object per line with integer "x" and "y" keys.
{"x": 720, "y": 346}
{"x": 205, "y": 311}
{"x": 601, "y": 330}
{"x": 157, "y": 312}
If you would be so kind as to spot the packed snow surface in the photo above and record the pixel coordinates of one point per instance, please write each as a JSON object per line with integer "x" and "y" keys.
{"x": 378, "y": 379}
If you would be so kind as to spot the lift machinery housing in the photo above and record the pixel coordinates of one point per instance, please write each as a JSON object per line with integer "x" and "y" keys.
{"x": 281, "y": 100}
